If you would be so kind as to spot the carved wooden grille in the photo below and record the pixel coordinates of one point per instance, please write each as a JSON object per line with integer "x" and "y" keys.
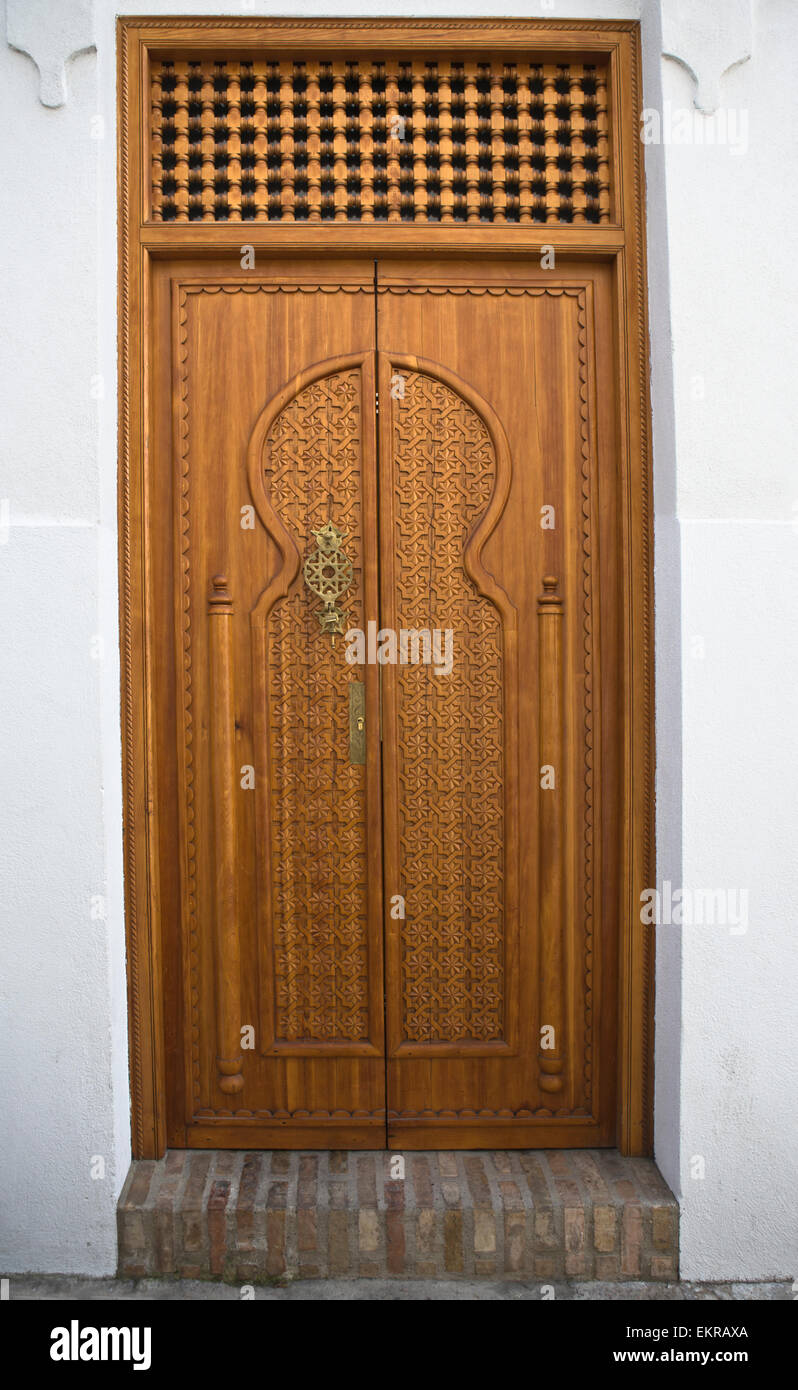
{"x": 317, "y": 798}
{"x": 380, "y": 141}
{"x": 450, "y": 728}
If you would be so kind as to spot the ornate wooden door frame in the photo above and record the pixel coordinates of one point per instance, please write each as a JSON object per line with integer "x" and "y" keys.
{"x": 617, "y": 239}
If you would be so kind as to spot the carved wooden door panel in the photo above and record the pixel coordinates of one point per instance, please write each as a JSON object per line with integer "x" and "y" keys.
{"x": 394, "y": 897}
{"x": 280, "y": 890}
{"x": 497, "y": 487}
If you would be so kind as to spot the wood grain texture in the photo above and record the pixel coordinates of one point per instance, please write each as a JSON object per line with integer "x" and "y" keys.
{"x": 229, "y": 1059}
{"x": 146, "y": 1030}
{"x": 598, "y": 382}
{"x": 545, "y": 340}
{"x": 309, "y": 821}
{"x": 552, "y": 965}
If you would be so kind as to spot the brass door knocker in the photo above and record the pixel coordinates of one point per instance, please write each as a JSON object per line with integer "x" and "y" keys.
{"x": 328, "y": 574}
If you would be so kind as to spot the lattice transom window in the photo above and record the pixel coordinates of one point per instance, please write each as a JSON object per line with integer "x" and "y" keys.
{"x": 390, "y": 141}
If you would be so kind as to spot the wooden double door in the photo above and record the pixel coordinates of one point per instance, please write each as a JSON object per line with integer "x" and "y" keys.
{"x": 385, "y": 606}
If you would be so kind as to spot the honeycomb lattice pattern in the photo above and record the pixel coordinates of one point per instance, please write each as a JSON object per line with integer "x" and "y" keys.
{"x": 422, "y": 141}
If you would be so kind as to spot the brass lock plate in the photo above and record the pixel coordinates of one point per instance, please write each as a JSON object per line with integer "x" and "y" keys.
{"x": 357, "y": 723}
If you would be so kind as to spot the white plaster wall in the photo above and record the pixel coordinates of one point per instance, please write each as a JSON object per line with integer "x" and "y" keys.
{"x": 667, "y": 618}
{"x": 734, "y": 296}
{"x": 724, "y": 1065}
{"x": 63, "y": 1080}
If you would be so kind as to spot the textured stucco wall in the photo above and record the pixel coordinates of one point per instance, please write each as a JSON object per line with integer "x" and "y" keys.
{"x": 734, "y": 298}
{"x": 63, "y": 1081}
{"x": 723, "y": 301}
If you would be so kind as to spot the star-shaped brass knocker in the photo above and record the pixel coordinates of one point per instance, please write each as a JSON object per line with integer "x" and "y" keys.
{"x": 328, "y": 574}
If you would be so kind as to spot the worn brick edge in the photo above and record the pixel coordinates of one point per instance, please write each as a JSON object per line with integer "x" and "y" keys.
{"x": 252, "y": 1217}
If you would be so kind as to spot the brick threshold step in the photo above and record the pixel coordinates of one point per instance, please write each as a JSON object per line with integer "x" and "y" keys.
{"x": 541, "y": 1214}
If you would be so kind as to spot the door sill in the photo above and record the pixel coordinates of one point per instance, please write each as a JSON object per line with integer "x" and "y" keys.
{"x": 515, "y": 1214}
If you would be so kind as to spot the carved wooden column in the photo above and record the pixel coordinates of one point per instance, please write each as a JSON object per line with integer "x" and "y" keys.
{"x": 552, "y": 846}
{"x": 223, "y": 776}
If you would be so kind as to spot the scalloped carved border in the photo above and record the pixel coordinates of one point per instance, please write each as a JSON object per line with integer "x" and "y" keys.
{"x": 587, "y": 627}
{"x": 282, "y": 1115}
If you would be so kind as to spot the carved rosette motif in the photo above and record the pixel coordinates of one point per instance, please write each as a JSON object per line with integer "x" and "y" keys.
{"x": 450, "y": 727}
{"x": 312, "y": 472}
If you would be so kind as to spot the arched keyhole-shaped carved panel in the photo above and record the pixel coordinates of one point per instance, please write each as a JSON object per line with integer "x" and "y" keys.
{"x": 448, "y": 760}
{"x": 308, "y": 470}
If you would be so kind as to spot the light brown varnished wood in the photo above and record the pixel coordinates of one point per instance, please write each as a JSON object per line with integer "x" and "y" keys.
{"x": 479, "y": 438}
{"x": 549, "y": 335}
{"x": 487, "y": 138}
{"x": 600, "y": 271}
{"x": 229, "y": 1058}
{"x": 552, "y": 964}
{"x": 296, "y": 447}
